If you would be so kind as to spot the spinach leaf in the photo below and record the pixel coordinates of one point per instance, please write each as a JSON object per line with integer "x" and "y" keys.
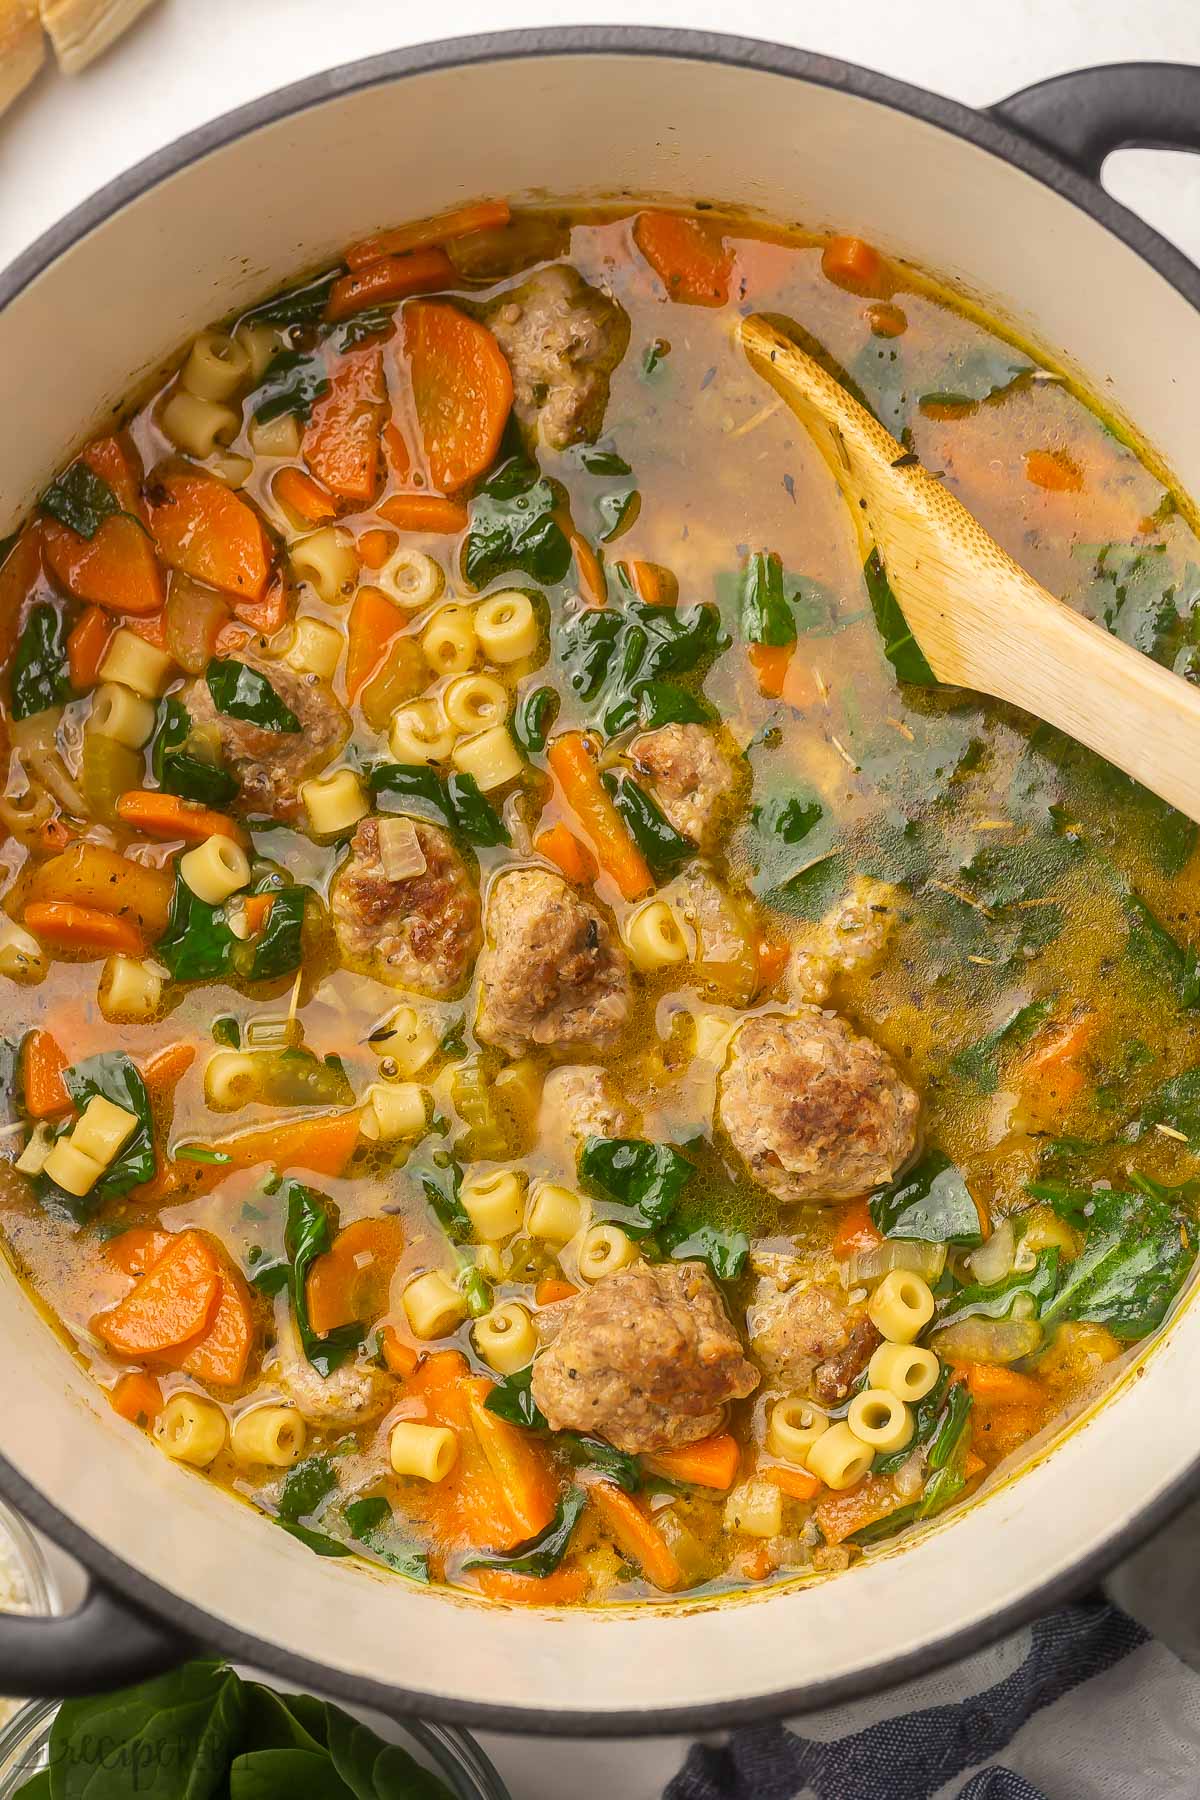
{"x": 765, "y": 615}
{"x": 308, "y": 1233}
{"x": 511, "y": 1398}
{"x": 278, "y": 951}
{"x": 666, "y": 703}
{"x": 1177, "y": 1104}
{"x": 725, "y": 1251}
{"x": 1152, "y": 945}
{"x": 812, "y": 890}
{"x": 1139, "y": 601}
{"x": 996, "y": 1299}
{"x": 441, "y": 1183}
{"x": 514, "y": 528}
{"x": 881, "y": 1529}
{"x": 942, "y": 1487}
{"x": 40, "y": 675}
{"x": 319, "y": 1542}
{"x": 197, "y": 944}
{"x": 593, "y": 1453}
{"x": 979, "y": 1063}
{"x": 373, "y": 322}
{"x": 458, "y": 800}
{"x": 788, "y": 816}
{"x": 542, "y": 1554}
{"x": 371, "y": 1769}
{"x": 608, "y": 654}
{"x": 81, "y": 500}
{"x": 111, "y": 1074}
{"x": 977, "y": 374}
{"x": 181, "y": 771}
{"x": 292, "y": 383}
{"x": 177, "y": 1732}
{"x": 926, "y": 1415}
{"x": 533, "y": 719}
{"x": 952, "y": 1423}
{"x": 664, "y": 848}
{"x": 899, "y": 645}
{"x": 302, "y": 305}
{"x": 472, "y": 814}
{"x": 646, "y": 1178}
{"x": 1136, "y": 1256}
{"x": 241, "y": 692}
{"x": 305, "y": 1486}
{"x": 370, "y": 1522}
{"x": 930, "y": 1203}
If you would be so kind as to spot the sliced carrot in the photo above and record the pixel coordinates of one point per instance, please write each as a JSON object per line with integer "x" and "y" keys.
{"x": 994, "y": 1385}
{"x": 584, "y": 792}
{"x": 440, "y": 1369}
{"x": 135, "y": 1252}
{"x": 432, "y": 513}
{"x": 341, "y": 441}
{"x": 692, "y": 261}
{"x": 397, "y": 454}
{"x": 86, "y": 644}
{"x": 82, "y": 928}
{"x": 637, "y": 1535}
{"x": 266, "y": 615}
{"x": 797, "y": 1484}
{"x": 203, "y": 528}
{"x": 137, "y": 1398}
{"x": 21, "y": 577}
{"x": 43, "y": 1066}
{"x": 558, "y": 845}
{"x": 401, "y": 1358}
{"x": 440, "y": 229}
{"x": 303, "y": 496}
{"x": 90, "y": 875}
{"x": 770, "y": 664}
{"x": 351, "y": 1281}
{"x": 117, "y": 568}
{"x": 323, "y": 1143}
{"x": 1054, "y": 471}
{"x": 565, "y": 1587}
{"x": 592, "y": 585}
{"x": 152, "y": 630}
{"x": 712, "y": 1463}
{"x": 850, "y": 262}
{"x": 221, "y": 1353}
{"x": 389, "y": 278}
{"x": 171, "y": 1304}
{"x": 256, "y": 910}
{"x": 462, "y": 391}
{"x": 163, "y": 815}
{"x": 653, "y": 585}
{"x": 470, "y": 1508}
{"x": 167, "y": 1068}
{"x": 517, "y": 1461}
{"x": 841, "y": 1514}
{"x": 374, "y": 547}
{"x": 772, "y": 960}
{"x": 374, "y": 622}
{"x": 551, "y": 1289}
{"x": 856, "y": 1231}
{"x": 1053, "y": 1060}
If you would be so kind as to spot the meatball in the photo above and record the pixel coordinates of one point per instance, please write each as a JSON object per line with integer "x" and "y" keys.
{"x": 350, "y": 1396}
{"x": 692, "y": 779}
{"x": 646, "y": 1359}
{"x": 269, "y": 766}
{"x": 563, "y": 339}
{"x": 815, "y": 1111}
{"x": 420, "y": 932}
{"x": 552, "y": 969}
{"x": 579, "y": 1103}
{"x": 850, "y": 938}
{"x": 790, "y": 1333}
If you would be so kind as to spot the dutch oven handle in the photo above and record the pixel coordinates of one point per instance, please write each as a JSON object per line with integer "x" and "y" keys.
{"x": 1085, "y": 115}
{"x": 107, "y": 1642}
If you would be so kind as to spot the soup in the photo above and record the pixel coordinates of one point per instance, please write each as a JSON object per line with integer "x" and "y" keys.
{"x": 544, "y": 1051}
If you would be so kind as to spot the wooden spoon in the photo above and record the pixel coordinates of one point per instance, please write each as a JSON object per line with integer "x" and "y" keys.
{"x": 980, "y": 620}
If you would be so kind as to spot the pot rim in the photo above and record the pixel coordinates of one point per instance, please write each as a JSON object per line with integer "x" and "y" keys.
{"x": 985, "y": 132}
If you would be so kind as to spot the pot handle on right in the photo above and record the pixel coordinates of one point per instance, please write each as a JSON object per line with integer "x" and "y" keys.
{"x": 1083, "y": 116}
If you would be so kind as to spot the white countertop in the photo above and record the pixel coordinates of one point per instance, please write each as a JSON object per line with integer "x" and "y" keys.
{"x": 188, "y": 61}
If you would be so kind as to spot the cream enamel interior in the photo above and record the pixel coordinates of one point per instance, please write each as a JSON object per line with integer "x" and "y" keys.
{"x": 226, "y": 230}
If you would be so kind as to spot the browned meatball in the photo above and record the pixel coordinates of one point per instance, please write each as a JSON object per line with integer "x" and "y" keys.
{"x": 816, "y": 1111}
{"x": 270, "y": 765}
{"x": 646, "y": 1359}
{"x": 421, "y": 932}
{"x": 552, "y": 969}
{"x": 810, "y": 1338}
{"x": 563, "y": 340}
{"x": 579, "y": 1103}
{"x": 692, "y": 779}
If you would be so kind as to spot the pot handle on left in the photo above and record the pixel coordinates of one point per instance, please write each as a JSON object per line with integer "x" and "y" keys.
{"x": 1085, "y": 115}
{"x": 107, "y": 1642}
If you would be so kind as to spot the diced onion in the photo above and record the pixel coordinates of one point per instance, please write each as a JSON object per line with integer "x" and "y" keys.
{"x": 994, "y": 1260}
{"x": 400, "y": 849}
{"x": 987, "y": 1340}
{"x": 194, "y": 616}
{"x": 926, "y": 1260}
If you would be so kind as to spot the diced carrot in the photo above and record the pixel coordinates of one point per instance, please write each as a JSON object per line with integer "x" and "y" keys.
{"x": 1053, "y": 1060}
{"x": 797, "y": 1484}
{"x": 137, "y": 1398}
{"x": 90, "y": 875}
{"x": 341, "y": 441}
{"x": 711, "y": 1463}
{"x": 856, "y": 1231}
{"x": 401, "y": 1358}
{"x": 636, "y": 1534}
{"x": 82, "y": 928}
{"x": 592, "y": 585}
{"x": 440, "y": 1369}
{"x": 770, "y": 664}
{"x": 389, "y": 278}
{"x": 43, "y": 1066}
{"x": 691, "y": 260}
{"x": 841, "y": 1514}
{"x": 772, "y": 960}
{"x": 135, "y": 1252}
{"x": 432, "y": 513}
{"x": 86, "y": 644}
{"x": 397, "y": 454}
{"x": 374, "y": 622}
{"x": 54, "y": 836}
{"x": 653, "y": 585}
{"x": 163, "y": 815}
{"x": 1054, "y": 471}
{"x": 205, "y": 529}
{"x": 21, "y": 578}
{"x": 351, "y": 1281}
{"x": 584, "y": 792}
{"x": 171, "y": 1304}
{"x": 117, "y": 568}
{"x": 374, "y": 547}
{"x": 886, "y": 320}
{"x": 167, "y": 1068}
{"x": 221, "y": 1352}
{"x": 851, "y": 263}
{"x": 551, "y": 1289}
{"x": 517, "y": 1461}
{"x": 563, "y": 1588}
{"x": 152, "y": 630}
{"x": 256, "y": 910}
{"x": 322, "y": 1143}
{"x": 470, "y": 1508}
{"x": 458, "y": 222}
{"x": 558, "y": 845}
{"x": 997, "y": 1429}
{"x": 462, "y": 391}
{"x": 994, "y": 1385}
{"x": 303, "y": 496}
{"x": 266, "y": 615}
{"x": 760, "y": 1562}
